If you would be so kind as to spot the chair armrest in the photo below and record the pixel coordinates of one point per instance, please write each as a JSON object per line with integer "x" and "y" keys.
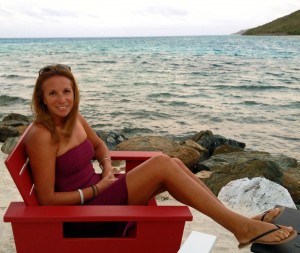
{"x": 133, "y": 155}
{"x": 19, "y": 212}
{"x": 132, "y": 158}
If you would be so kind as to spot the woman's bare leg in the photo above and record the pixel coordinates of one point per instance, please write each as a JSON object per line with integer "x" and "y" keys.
{"x": 194, "y": 177}
{"x": 162, "y": 172}
{"x": 189, "y": 173}
{"x": 268, "y": 217}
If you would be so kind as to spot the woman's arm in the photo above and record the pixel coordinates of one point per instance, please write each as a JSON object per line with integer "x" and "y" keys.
{"x": 42, "y": 151}
{"x": 101, "y": 150}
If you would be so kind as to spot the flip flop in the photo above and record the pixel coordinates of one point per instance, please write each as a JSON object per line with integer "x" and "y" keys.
{"x": 268, "y": 211}
{"x": 292, "y": 235}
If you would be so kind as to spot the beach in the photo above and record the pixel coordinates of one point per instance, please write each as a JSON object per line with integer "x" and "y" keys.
{"x": 243, "y": 88}
{"x": 225, "y": 243}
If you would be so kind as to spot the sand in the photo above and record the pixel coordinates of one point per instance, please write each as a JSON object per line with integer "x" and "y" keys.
{"x": 225, "y": 243}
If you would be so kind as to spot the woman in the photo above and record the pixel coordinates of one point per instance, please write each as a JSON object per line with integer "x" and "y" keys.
{"x": 61, "y": 144}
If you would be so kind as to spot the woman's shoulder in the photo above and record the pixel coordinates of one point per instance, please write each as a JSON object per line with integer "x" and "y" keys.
{"x": 37, "y": 134}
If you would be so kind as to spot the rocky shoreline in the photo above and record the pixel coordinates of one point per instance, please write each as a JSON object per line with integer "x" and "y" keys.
{"x": 215, "y": 159}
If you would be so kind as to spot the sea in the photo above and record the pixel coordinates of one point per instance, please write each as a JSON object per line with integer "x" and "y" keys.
{"x": 245, "y": 88}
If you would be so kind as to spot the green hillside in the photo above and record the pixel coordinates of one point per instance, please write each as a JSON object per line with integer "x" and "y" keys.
{"x": 287, "y": 25}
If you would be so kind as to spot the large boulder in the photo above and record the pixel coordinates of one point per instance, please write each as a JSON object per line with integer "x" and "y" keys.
{"x": 256, "y": 194}
{"x": 231, "y": 166}
{"x": 225, "y": 173}
{"x": 187, "y": 154}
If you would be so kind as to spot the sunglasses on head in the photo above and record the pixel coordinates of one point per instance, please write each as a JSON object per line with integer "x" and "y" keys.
{"x": 52, "y": 68}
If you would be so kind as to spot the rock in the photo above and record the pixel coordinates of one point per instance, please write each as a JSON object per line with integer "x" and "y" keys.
{"x": 21, "y": 129}
{"x": 204, "y": 174}
{"x": 239, "y": 157}
{"x": 13, "y": 125}
{"x": 224, "y": 149}
{"x": 284, "y": 161}
{"x": 257, "y": 194}
{"x": 9, "y": 144}
{"x": 291, "y": 181}
{"x": 188, "y": 155}
{"x": 101, "y": 134}
{"x": 231, "y": 166}
{"x": 196, "y": 146}
{"x": 210, "y": 141}
{"x": 7, "y": 132}
{"x": 113, "y": 139}
{"x": 224, "y": 173}
{"x": 15, "y": 117}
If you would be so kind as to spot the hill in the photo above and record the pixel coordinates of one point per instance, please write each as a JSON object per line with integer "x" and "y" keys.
{"x": 287, "y": 25}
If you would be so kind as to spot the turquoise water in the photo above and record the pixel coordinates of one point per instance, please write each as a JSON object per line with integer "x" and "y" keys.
{"x": 246, "y": 88}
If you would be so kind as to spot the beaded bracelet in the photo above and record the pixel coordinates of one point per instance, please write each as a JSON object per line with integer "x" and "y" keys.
{"x": 95, "y": 191}
{"x": 95, "y": 188}
{"x": 81, "y": 196}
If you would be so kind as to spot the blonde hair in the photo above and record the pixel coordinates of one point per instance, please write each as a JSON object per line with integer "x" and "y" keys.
{"x": 40, "y": 110}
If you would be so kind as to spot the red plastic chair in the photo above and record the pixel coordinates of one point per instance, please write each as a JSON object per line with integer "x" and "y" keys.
{"x": 46, "y": 228}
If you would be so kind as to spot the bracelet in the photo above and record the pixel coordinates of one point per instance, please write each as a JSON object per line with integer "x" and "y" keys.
{"x": 105, "y": 158}
{"x": 94, "y": 192}
{"x": 81, "y": 196}
{"x": 96, "y": 189}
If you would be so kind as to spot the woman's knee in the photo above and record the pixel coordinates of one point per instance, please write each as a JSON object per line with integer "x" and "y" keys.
{"x": 162, "y": 159}
{"x": 178, "y": 161}
{"x": 162, "y": 163}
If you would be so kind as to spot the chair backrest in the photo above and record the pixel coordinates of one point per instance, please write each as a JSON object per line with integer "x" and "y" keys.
{"x": 18, "y": 166}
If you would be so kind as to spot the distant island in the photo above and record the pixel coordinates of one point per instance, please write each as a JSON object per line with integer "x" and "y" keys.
{"x": 287, "y": 25}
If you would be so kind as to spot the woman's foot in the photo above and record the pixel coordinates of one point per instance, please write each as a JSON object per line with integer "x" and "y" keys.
{"x": 268, "y": 216}
{"x": 265, "y": 233}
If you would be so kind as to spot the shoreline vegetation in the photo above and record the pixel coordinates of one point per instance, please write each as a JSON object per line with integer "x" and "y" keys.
{"x": 284, "y": 26}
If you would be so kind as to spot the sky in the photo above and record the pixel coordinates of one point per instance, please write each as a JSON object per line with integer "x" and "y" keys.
{"x": 119, "y": 18}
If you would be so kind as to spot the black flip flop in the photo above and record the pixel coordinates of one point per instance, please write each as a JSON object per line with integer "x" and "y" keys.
{"x": 292, "y": 235}
{"x": 268, "y": 211}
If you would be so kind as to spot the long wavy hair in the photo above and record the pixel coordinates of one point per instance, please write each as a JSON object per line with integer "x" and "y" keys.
{"x": 40, "y": 110}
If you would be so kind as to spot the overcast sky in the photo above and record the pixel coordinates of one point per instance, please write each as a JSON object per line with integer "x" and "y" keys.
{"x": 99, "y": 18}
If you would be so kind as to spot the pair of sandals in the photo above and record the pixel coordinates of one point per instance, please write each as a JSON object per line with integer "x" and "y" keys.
{"x": 291, "y": 236}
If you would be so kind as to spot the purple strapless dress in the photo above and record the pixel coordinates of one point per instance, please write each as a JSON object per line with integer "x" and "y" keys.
{"x": 74, "y": 170}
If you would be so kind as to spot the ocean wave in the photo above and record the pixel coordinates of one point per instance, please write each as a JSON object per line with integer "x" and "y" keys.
{"x": 251, "y": 87}
{"x": 250, "y": 102}
{"x": 292, "y": 105}
{"x": 13, "y": 76}
{"x": 160, "y": 94}
{"x": 103, "y": 62}
{"x": 179, "y": 103}
{"x": 136, "y": 130}
{"x": 200, "y": 73}
{"x": 8, "y": 100}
